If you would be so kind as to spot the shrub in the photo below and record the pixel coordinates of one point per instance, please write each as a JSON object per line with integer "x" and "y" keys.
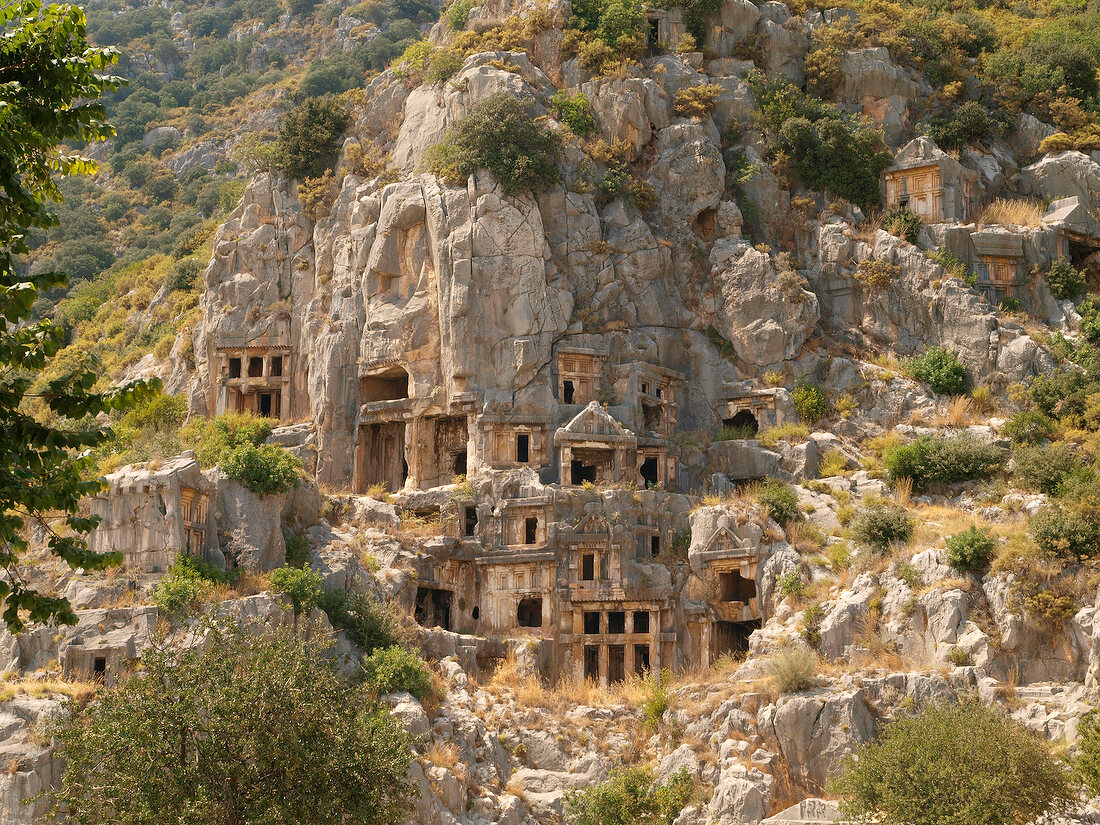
{"x": 696, "y": 101}
{"x": 500, "y": 136}
{"x": 931, "y": 460}
{"x": 910, "y": 774}
{"x": 1065, "y": 533}
{"x": 317, "y": 195}
{"x": 297, "y": 548}
{"x": 1030, "y": 427}
{"x": 458, "y": 15}
{"x": 812, "y": 617}
{"x": 215, "y": 437}
{"x": 964, "y": 125}
{"x": 185, "y": 583}
{"x": 368, "y": 621}
{"x": 779, "y": 500}
{"x": 833, "y": 463}
{"x": 442, "y": 66}
{"x": 809, "y": 402}
{"x": 830, "y": 151}
{"x": 183, "y": 275}
{"x": 310, "y": 137}
{"x": 630, "y": 796}
{"x": 1064, "y": 280}
{"x": 265, "y": 470}
{"x": 903, "y": 223}
{"x": 970, "y": 550}
{"x": 791, "y": 433}
{"x": 302, "y": 585}
{"x": 790, "y": 584}
{"x": 1087, "y": 763}
{"x": 396, "y": 668}
{"x": 656, "y": 701}
{"x": 1043, "y": 468}
{"x": 575, "y": 111}
{"x": 940, "y": 369}
{"x": 792, "y": 670}
{"x": 876, "y": 274}
{"x": 879, "y": 526}
{"x": 1056, "y": 144}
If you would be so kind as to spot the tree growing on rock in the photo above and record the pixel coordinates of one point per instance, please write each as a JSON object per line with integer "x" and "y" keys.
{"x": 951, "y": 764}
{"x": 50, "y": 83}
{"x": 239, "y": 729}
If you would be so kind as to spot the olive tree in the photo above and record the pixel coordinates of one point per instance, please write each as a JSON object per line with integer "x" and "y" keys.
{"x": 241, "y": 728}
{"x": 951, "y": 764}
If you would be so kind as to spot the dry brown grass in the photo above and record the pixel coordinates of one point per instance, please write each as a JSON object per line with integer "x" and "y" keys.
{"x": 442, "y": 754}
{"x": 79, "y": 690}
{"x": 959, "y": 412}
{"x": 1015, "y": 212}
{"x": 248, "y": 583}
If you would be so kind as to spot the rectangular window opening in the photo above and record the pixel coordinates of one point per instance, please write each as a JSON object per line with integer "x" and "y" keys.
{"x": 530, "y": 530}
{"x": 616, "y": 621}
{"x": 641, "y": 621}
{"x": 588, "y": 567}
{"x": 234, "y": 367}
{"x": 591, "y": 623}
{"x": 523, "y": 448}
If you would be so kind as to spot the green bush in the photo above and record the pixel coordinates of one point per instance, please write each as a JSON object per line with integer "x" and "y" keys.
{"x": 1065, "y": 533}
{"x": 964, "y": 125}
{"x": 903, "y": 223}
{"x": 310, "y": 137}
{"x": 500, "y": 136}
{"x": 878, "y": 526}
{"x": 1030, "y": 427}
{"x": 396, "y": 668}
{"x": 829, "y": 150}
{"x": 575, "y": 111}
{"x": 779, "y": 500}
{"x": 183, "y": 275}
{"x": 793, "y": 670}
{"x": 1043, "y": 468}
{"x": 1064, "y": 280}
{"x": 185, "y": 583}
{"x": 1087, "y": 763}
{"x": 940, "y": 369}
{"x": 738, "y": 433}
{"x": 297, "y": 548}
{"x": 656, "y": 701}
{"x": 952, "y": 764}
{"x": 442, "y": 66}
{"x": 790, "y": 584}
{"x": 932, "y": 460}
{"x": 302, "y": 585}
{"x": 265, "y": 470}
{"x": 630, "y": 796}
{"x": 215, "y": 437}
{"x": 458, "y": 14}
{"x": 809, "y": 402}
{"x": 696, "y": 101}
{"x": 970, "y": 550}
{"x": 368, "y": 621}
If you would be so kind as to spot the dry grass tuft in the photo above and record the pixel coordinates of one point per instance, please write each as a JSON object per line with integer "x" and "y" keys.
{"x": 959, "y": 412}
{"x": 442, "y": 754}
{"x": 80, "y": 691}
{"x": 1015, "y": 212}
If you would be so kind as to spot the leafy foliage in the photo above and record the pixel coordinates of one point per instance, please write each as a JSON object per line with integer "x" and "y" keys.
{"x": 1029, "y": 427}
{"x": 1066, "y": 533}
{"x": 779, "y": 501}
{"x": 630, "y": 796}
{"x": 880, "y": 525}
{"x": 265, "y": 470}
{"x": 809, "y": 402}
{"x": 940, "y": 369}
{"x": 50, "y": 87}
{"x": 368, "y": 621}
{"x": 696, "y": 101}
{"x": 184, "y": 584}
{"x": 302, "y": 585}
{"x": 1087, "y": 763}
{"x": 876, "y": 274}
{"x": 500, "y": 136}
{"x": 904, "y": 223}
{"x": 243, "y": 728}
{"x": 931, "y": 460}
{"x": 1064, "y": 280}
{"x": 396, "y": 668}
{"x": 970, "y": 550}
{"x": 964, "y": 125}
{"x": 310, "y": 137}
{"x": 1043, "y": 468}
{"x": 828, "y": 150}
{"x": 656, "y": 701}
{"x": 575, "y": 111}
{"x": 910, "y": 775}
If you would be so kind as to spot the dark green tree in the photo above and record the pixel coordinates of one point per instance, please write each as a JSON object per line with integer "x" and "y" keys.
{"x": 50, "y": 83}
{"x": 244, "y": 728}
{"x": 951, "y": 764}
{"x": 310, "y": 137}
